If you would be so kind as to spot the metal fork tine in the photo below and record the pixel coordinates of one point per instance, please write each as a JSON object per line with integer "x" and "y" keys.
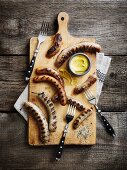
{"x": 68, "y": 109}
{"x": 91, "y": 95}
{"x": 87, "y": 94}
{"x": 74, "y": 110}
{"x": 47, "y": 27}
{"x": 44, "y": 28}
{"x": 71, "y": 108}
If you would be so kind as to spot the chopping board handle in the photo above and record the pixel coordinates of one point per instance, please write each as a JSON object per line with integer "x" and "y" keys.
{"x": 63, "y": 19}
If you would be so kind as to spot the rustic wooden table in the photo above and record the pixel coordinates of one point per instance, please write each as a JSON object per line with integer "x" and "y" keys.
{"x": 19, "y": 21}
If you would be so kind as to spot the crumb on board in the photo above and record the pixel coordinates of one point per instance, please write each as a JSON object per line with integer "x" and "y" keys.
{"x": 84, "y": 132}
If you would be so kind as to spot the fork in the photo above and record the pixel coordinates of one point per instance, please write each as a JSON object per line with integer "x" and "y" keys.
{"x": 41, "y": 38}
{"x": 69, "y": 117}
{"x": 92, "y": 99}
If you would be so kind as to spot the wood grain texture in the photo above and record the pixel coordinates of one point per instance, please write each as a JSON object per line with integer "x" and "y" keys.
{"x": 17, "y": 154}
{"x": 44, "y": 62}
{"x": 114, "y": 92}
{"x": 105, "y": 20}
{"x": 12, "y": 81}
{"x": 113, "y": 97}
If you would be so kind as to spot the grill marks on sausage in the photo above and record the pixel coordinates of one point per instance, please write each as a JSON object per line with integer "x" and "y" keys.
{"x": 40, "y": 119}
{"x": 56, "y": 83}
{"x": 79, "y": 106}
{"x": 52, "y": 72}
{"x": 80, "y": 47}
{"x": 56, "y": 46}
{"x": 86, "y": 85}
{"x": 82, "y": 117}
{"x": 51, "y": 110}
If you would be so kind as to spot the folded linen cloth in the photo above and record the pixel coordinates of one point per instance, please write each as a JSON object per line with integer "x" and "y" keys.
{"x": 103, "y": 63}
{"x": 20, "y": 101}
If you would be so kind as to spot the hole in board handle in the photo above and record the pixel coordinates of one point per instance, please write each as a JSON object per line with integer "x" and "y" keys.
{"x": 62, "y": 18}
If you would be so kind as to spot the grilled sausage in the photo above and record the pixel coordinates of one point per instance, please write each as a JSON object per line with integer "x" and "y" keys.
{"x": 80, "y": 47}
{"x": 56, "y": 83}
{"x": 79, "y": 106}
{"x": 51, "y": 110}
{"x": 56, "y": 46}
{"x": 52, "y": 72}
{"x": 41, "y": 120}
{"x": 82, "y": 117}
{"x": 84, "y": 86}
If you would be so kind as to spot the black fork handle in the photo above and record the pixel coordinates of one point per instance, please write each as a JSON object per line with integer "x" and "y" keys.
{"x": 31, "y": 66}
{"x": 30, "y": 69}
{"x": 61, "y": 144}
{"x": 106, "y": 124}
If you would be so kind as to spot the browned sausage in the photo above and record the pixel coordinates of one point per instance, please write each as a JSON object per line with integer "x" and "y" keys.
{"x": 79, "y": 106}
{"x": 56, "y": 46}
{"x": 52, "y": 72}
{"x": 82, "y": 117}
{"x": 80, "y": 47}
{"x": 56, "y": 83}
{"x": 41, "y": 120}
{"x": 84, "y": 86}
{"x": 51, "y": 110}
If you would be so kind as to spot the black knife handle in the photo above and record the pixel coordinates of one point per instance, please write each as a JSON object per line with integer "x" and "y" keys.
{"x": 61, "y": 144}
{"x": 107, "y": 125}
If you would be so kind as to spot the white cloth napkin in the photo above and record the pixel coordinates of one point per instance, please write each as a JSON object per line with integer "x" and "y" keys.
{"x": 20, "y": 101}
{"x": 103, "y": 63}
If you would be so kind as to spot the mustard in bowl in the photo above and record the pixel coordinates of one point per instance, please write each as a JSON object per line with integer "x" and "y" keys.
{"x": 79, "y": 64}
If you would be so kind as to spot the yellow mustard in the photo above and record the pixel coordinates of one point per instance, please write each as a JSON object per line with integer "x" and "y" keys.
{"x": 65, "y": 74}
{"x": 79, "y": 64}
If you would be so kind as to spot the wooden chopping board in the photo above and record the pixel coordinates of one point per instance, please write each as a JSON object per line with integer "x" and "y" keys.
{"x": 86, "y": 133}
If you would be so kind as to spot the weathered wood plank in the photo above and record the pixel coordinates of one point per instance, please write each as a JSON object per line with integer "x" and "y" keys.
{"x": 107, "y": 154}
{"x": 105, "y": 20}
{"x": 12, "y": 70}
{"x": 114, "y": 92}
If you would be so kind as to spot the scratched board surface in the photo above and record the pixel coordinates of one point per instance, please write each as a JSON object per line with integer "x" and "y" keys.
{"x": 86, "y": 133}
